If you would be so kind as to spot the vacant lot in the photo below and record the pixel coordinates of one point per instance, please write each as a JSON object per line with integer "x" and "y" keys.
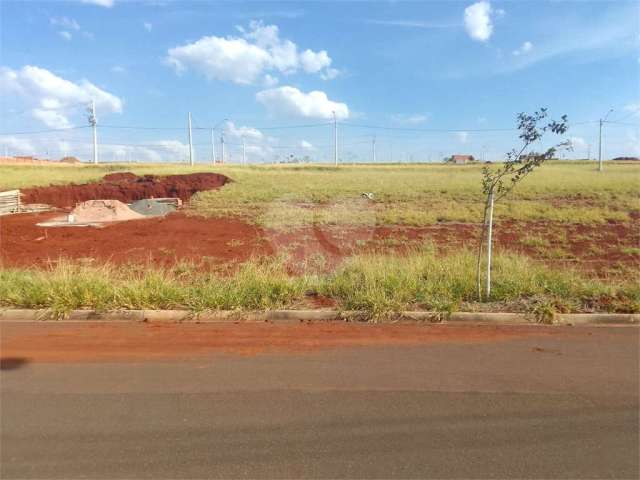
{"x": 281, "y": 236}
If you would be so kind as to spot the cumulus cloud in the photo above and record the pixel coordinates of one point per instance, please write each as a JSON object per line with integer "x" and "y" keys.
{"x": 64, "y": 34}
{"x": 313, "y": 62}
{"x": 53, "y": 97}
{"x": 147, "y": 26}
{"x": 247, "y": 59}
{"x": 477, "y": 21}
{"x": 250, "y": 133}
{"x": 289, "y": 101}
{"x": 526, "y": 47}
{"x": 118, "y": 69}
{"x": 51, "y": 118}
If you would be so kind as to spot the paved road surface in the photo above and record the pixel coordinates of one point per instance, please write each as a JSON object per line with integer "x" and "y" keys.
{"x": 272, "y": 401}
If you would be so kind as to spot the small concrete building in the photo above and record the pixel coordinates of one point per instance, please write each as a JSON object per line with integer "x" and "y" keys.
{"x": 462, "y": 159}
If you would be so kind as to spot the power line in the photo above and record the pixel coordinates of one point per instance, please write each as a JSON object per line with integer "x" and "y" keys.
{"x": 36, "y": 132}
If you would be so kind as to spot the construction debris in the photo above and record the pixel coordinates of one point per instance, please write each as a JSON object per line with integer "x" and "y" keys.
{"x": 9, "y": 202}
{"x": 155, "y": 206}
{"x": 95, "y": 213}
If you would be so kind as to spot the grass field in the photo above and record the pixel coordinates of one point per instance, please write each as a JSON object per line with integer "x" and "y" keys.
{"x": 406, "y": 194}
{"x": 285, "y": 197}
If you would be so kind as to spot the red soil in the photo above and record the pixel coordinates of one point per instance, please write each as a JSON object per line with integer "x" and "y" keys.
{"x": 125, "y": 187}
{"x": 51, "y": 342}
{"x": 598, "y": 249}
{"x": 161, "y": 241}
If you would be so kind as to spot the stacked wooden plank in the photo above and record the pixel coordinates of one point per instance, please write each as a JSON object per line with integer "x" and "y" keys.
{"x": 10, "y": 202}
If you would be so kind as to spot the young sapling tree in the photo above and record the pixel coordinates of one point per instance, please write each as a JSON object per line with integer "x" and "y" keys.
{"x": 498, "y": 181}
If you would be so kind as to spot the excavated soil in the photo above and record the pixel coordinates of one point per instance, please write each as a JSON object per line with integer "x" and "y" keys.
{"x": 596, "y": 249}
{"x": 125, "y": 187}
{"x": 160, "y": 241}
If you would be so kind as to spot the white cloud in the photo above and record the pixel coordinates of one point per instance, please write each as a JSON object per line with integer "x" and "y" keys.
{"x": 64, "y": 34}
{"x": 16, "y": 146}
{"x": 64, "y": 22}
{"x": 578, "y": 142}
{"x": 313, "y": 62}
{"x": 248, "y": 133}
{"x": 173, "y": 148}
{"x": 462, "y": 136}
{"x": 526, "y": 47}
{"x": 477, "y": 21}
{"x": 118, "y": 69}
{"x": 37, "y": 147}
{"x": 290, "y": 101}
{"x": 248, "y": 58}
{"x": 330, "y": 73}
{"x": 51, "y": 118}
{"x": 147, "y": 26}
{"x": 409, "y": 119}
{"x": 100, "y": 3}
{"x": 45, "y": 91}
{"x": 306, "y": 145}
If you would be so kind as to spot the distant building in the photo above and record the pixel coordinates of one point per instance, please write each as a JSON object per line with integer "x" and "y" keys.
{"x": 460, "y": 159}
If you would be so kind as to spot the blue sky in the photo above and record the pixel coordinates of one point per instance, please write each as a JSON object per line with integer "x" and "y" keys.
{"x": 414, "y": 67}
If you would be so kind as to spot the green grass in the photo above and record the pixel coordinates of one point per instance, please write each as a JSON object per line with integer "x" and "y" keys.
{"x": 380, "y": 285}
{"x": 286, "y": 196}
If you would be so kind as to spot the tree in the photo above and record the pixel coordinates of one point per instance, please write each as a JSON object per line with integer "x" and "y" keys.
{"x": 498, "y": 182}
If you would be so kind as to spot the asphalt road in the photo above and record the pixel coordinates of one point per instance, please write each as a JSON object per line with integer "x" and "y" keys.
{"x": 547, "y": 403}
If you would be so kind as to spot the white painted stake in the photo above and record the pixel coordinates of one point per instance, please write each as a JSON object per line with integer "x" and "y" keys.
{"x": 489, "y": 245}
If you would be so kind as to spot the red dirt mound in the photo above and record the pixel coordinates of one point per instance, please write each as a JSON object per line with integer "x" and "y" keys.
{"x": 125, "y": 187}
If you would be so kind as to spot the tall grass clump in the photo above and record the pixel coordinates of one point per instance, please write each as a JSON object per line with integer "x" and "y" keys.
{"x": 386, "y": 284}
{"x": 257, "y": 285}
{"x": 380, "y": 285}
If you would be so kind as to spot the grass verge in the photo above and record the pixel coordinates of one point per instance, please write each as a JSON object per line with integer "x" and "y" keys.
{"x": 380, "y": 285}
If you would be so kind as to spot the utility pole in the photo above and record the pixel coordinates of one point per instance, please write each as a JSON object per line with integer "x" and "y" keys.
{"x": 244, "y": 153}
{"x": 602, "y": 120}
{"x": 213, "y": 148}
{"x": 222, "y": 147}
{"x": 93, "y": 121}
{"x": 373, "y": 150}
{"x": 335, "y": 139}
{"x": 190, "y": 143}
{"x": 589, "y": 152}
